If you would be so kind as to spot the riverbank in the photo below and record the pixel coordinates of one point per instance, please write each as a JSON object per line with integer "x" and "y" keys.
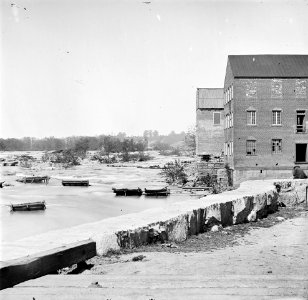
{"x": 253, "y": 201}
{"x": 267, "y": 263}
{"x": 178, "y": 220}
{"x": 270, "y": 246}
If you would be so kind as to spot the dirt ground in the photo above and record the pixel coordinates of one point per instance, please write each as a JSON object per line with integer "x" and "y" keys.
{"x": 234, "y": 248}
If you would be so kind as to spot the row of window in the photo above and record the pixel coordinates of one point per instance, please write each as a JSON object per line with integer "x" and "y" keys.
{"x": 252, "y": 117}
{"x": 252, "y": 150}
{"x": 276, "y": 119}
{"x": 229, "y": 94}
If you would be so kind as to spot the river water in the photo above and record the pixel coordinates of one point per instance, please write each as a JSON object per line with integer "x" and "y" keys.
{"x": 70, "y": 206}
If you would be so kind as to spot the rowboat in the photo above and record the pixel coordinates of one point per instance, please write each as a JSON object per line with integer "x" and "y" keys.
{"x": 75, "y": 182}
{"x": 157, "y": 192}
{"x": 127, "y": 192}
{"x": 34, "y": 179}
{"x": 28, "y": 206}
{"x": 12, "y": 164}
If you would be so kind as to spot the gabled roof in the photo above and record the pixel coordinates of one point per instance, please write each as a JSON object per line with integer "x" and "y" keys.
{"x": 269, "y": 66}
{"x": 210, "y": 98}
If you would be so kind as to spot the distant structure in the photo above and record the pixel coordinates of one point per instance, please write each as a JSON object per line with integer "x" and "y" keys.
{"x": 266, "y": 108}
{"x": 210, "y": 121}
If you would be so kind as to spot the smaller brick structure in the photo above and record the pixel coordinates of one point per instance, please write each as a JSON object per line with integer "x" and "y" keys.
{"x": 210, "y": 120}
{"x": 214, "y": 168}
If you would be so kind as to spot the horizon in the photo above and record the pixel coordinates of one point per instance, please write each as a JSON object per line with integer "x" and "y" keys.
{"x": 133, "y": 65}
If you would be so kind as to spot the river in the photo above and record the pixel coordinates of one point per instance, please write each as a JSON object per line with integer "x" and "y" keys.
{"x": 69, "y": 206}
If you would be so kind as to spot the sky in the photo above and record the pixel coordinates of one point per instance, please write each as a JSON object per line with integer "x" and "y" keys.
{"x": 90, "y": 67}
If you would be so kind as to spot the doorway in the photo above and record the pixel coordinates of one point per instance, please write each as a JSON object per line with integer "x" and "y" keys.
{"x": 301, "y": 152}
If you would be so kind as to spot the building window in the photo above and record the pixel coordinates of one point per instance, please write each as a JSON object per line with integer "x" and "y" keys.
{"x": 250, "y": 147}
{"x": 301, "y": 153}
{"x": 216, "y": 118}
{"x": 251, "y": 117}
{"x": 276, "y": 146}
{"x": 300, "y": 121}
{"x": 276, "y": 117}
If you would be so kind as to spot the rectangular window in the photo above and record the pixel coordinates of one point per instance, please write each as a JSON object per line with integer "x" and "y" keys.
{"x": 300, "y": 121}
{"x": 251, "y": 117}
{"x": 276, "y": 146}
{"x": 301, "y": 153}
{"x": 216, "y": 118}
{"x": 250, "y": 147}
{"x": 276, "y": 117}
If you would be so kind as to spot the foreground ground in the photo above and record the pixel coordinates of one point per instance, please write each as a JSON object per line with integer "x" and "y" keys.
{"x": 263, "y": 260}
{"x": 277, "y": 244}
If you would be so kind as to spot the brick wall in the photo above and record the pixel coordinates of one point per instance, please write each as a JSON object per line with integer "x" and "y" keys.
{"x": 264, "y": 95}
{"x": 210, "y": 137}
{"x": 216, "y": 169}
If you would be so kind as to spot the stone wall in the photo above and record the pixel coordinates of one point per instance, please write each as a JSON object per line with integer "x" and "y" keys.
{"x": 253, "y": 199}
{"x": 214, "y": 169}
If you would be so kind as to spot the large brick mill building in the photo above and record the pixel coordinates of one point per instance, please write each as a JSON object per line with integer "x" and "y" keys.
{"x": 265, "y": 115}
{"x": 266, "y": 108}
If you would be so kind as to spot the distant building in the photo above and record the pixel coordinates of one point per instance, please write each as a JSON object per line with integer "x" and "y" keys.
{"x": 210, "y": 121}
{"x": 266, "y": 109}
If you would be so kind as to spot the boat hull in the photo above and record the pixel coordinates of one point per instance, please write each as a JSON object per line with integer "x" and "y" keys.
{"x": 127, "y": 192}
{"x": 75, "y": 182}
{"x": 28, "y": 206}
{"x": 157, "y": 192}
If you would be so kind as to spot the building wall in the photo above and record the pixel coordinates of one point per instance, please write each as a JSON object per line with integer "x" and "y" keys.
{"x": 228, "y": 109}
{"x": 210, "y": 137}
{"x": 265, "y": 95}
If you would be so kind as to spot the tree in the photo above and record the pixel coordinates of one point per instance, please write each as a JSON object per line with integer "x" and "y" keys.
{"x": 82, "y": 146}
{"x": 190, "y": 139}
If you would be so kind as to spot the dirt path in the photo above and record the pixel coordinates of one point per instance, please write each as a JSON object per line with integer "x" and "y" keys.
{"x": 249, "y": 249}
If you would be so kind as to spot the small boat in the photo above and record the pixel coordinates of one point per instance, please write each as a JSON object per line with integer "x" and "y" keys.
{"x": 157, "y": 192}
{"x": 12, "y": 164}
{"x": 75, "y": 182}
{"x": 28, "y": 206}
{"x": 127, "y": 192}
{"x": 34, "y": 179}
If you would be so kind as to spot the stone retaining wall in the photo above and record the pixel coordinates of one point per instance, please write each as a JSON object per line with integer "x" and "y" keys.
{"x": 252, "y": 200}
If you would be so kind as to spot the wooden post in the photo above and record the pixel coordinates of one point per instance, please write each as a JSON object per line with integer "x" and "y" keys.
{"x": 306, "y": 197}
{"x": 33, "y": 266}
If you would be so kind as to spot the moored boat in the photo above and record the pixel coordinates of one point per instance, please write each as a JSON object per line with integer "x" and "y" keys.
{"x": 34, "y": 179}
{"x": 11, "y": 164}
{"x": 28, "y": 206}
{"x": 75, "y": 182}
{"x": 157, "y": 192}
{"x": 127, "y": 192}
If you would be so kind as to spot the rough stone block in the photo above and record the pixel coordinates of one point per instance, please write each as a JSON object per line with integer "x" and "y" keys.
{"x": 177, "y": 228}
{"x": 226, "y": 213}
{"x": 241, "y": 209}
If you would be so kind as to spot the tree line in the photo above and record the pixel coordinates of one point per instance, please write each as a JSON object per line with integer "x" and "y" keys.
{"x": 108, "y": 143}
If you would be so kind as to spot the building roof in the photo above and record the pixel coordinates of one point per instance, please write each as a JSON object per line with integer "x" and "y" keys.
{"x": 269, "y": 66}
{"x": 210, "y": 98}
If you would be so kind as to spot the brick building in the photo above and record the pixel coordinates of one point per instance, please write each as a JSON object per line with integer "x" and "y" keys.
{"x": 266, "y": 107}
{"x": 210, "y": 124}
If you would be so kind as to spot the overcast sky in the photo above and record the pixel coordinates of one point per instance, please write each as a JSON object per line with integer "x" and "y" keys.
{"x": 87, "y": 67}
